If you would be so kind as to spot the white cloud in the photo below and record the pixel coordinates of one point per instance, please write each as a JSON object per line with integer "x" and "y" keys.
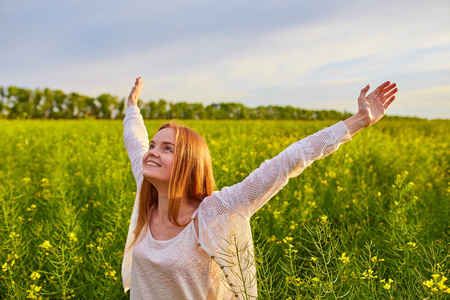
{"x": 321, "y": 64}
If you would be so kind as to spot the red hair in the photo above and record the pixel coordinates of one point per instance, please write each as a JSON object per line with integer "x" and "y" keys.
{"x": 191, "y": 177}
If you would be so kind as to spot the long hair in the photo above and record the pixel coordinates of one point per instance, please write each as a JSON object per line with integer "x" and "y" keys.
{"x": 191, "y": 176}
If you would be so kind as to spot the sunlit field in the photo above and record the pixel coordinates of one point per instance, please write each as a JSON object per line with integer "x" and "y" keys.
{"x": 370, "y": 221}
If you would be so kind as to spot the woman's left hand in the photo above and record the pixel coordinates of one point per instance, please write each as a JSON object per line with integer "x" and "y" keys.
{"x": 373, "y": 106}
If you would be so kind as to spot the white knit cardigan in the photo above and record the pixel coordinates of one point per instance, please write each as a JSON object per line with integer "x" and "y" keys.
{"x": 223, "y": 217}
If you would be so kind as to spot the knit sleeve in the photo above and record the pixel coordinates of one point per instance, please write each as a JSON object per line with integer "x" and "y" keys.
{"x": 254, "y": 191}
{"x": 136, "y": 139}
{"x": 136, "y": 142}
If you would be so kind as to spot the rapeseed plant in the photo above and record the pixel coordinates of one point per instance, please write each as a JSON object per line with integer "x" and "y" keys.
{"x": 388, "y": 188}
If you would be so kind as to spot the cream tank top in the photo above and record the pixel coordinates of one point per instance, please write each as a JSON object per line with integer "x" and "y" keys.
{"x": 176, "y": 269}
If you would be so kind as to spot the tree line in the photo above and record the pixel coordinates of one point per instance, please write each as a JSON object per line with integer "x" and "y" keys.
{"x": 22, "y": 103}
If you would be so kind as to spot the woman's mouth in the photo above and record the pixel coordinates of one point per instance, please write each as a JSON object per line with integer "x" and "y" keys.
{"x": 153, "y": 164}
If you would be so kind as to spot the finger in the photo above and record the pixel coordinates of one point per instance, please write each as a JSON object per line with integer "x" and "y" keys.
{"x": 138, "y": 80}
{"x": 387, "y": 103}
{"x": 364, "y": 91}
{"x": 388, "y": 88}
{"x": 381, "y": 87}
{"x": 389, "y": 95}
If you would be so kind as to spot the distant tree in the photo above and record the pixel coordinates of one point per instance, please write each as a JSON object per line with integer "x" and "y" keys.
{"x": 47, "y": 105}
{"x": 36, "y": 99}
{"x": 120, "y": 110}
{"x": 91, "y": 108}
{"x": 77, "y": 106}
{"x": 198, "y": 111}
{"x": 162, "y": 109}
{"x": 59, "y": 104}
{"x": 4, "y": 109}
{"x": 55, "y": 104}
{"x": 106, "y": 104}
{"x": 20, "y": 102}
{"x": 174, "y": 111}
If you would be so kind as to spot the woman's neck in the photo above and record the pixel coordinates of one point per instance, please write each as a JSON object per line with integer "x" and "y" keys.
{"x": 161, "y": 212}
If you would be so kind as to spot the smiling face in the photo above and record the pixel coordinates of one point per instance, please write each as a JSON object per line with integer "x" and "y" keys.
{"x": 159, "y": 158}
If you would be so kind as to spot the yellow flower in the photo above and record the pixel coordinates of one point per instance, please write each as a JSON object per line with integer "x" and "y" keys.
{"x": 45, "y": 182}
{"x": 72, "y": 237}
{"x": 35, "y": 275}
{"x": 344, "y": 258}
{"x": 272, "y": 239}
{"x": 12, "y": 257}
{"x": 374, "y": 259}
{"x": 276, "y": 214}
{"x": 45, "y": 245}
{"x": 314, "y": 258}
{"x": 288, "y": 239}
{"x": 293, "y": 225}
{"x": 5, "y": 267}
{"x": 429, "y": 283}
{"x": 441, "y": 284}
{"x": 387, "y": 285}
{"x": 33, "y": 292}
{"x": 13, "y": 235}
{"x": 316, "y": 279}
{"x": 369, "y": 274}
{"x": 435, "y": 276}
{"x": 323, "y": 219}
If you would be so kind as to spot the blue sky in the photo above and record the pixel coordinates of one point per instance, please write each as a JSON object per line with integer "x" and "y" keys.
{"x": 309, "y": 54}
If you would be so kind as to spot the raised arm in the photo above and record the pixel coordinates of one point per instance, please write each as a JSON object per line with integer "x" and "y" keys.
{"x": 134, "y": 132}
{"x": 249, "y": 195}
{"x": 262, "y": 184}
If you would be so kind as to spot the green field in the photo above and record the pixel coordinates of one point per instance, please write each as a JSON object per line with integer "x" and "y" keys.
{"x": 370, "y": 221}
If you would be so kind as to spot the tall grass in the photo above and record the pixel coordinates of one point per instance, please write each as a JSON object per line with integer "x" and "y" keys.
{"x": 372, "y": 220}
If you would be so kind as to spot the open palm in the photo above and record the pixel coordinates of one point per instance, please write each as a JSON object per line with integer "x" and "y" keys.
{"x": 135, "y": 92}
{"x": 373, "y": 106}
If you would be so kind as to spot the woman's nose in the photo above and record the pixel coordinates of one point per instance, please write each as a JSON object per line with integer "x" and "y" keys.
{"x": 153, "y": 152}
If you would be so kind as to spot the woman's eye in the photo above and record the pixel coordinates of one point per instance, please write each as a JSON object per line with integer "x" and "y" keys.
{"x": 151, "y": 147}
{"x": 168, "y": 149}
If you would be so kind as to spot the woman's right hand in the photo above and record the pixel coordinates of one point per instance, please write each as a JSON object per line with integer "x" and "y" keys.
{"x": 135, "y": 92}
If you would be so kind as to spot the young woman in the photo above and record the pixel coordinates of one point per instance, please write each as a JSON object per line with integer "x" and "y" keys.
{"x": 188, "y": 241}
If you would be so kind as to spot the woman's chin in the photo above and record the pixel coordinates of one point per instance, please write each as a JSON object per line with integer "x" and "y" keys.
{"x": 148, "y": 178}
